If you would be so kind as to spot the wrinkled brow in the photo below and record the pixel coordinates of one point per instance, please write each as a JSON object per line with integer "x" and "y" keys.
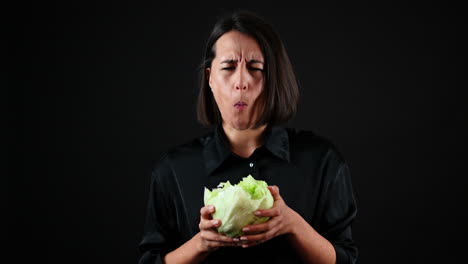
{"x": 235, "y": 61}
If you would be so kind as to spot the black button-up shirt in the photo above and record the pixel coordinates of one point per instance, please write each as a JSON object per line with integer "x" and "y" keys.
{"x": 312, "y": 176}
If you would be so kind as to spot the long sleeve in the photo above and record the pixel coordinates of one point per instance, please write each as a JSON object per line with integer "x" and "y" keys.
{"x": 313, "y": 178}
{"x": 339, "y": 211}
{"x": 156, "y": 243}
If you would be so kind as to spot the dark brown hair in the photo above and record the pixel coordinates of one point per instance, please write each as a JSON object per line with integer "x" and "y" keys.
{"x": 281, "y": 93}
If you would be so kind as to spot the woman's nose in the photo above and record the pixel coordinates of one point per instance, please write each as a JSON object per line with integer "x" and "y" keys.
{"x": 241, "y": 86}
{"x": 242, "y": 79}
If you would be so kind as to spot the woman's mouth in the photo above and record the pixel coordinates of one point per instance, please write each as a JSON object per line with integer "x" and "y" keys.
{"x": 240, "y": 105}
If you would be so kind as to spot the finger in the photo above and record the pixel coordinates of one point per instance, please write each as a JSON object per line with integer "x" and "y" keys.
{"x": 255, "y": 229}
{"x": 272, "y": 212}
{"x": 247, "y": 244}
{"x": 209, "y": 224}
{"x": 252, "y": 240}
{"x": 217, "y": 237}
{"x": 217, "y": 244}
{"x": 207, "y": 211}
{"x": 274, "y": 190}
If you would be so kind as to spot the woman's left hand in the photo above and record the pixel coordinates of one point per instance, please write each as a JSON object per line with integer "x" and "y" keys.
{"x": 283, "y": 220}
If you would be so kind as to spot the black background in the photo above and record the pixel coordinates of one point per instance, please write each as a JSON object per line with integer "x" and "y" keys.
{"x": 103, "y": 90}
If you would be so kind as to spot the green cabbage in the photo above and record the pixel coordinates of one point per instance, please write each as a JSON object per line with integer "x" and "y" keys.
{"x": 235, "y": 204}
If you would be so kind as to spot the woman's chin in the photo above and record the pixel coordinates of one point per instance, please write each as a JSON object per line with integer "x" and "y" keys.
{"x": 241, "y": 124}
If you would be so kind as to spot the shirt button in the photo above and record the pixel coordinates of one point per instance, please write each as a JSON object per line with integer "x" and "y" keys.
{"x": 251, "y": 165}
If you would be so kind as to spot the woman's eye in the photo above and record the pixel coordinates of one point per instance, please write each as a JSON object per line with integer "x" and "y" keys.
{"x": 228, "y": 68}
{"x": 255, "y": 69}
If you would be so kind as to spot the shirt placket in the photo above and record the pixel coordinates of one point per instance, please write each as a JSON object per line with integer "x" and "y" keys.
{"x": 252, "y": 168}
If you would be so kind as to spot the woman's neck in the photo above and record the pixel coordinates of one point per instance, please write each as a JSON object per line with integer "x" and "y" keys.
{"x": 244, "y": 142}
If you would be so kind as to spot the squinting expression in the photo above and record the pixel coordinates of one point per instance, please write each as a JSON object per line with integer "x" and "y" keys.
{"x": 236, "y": 79}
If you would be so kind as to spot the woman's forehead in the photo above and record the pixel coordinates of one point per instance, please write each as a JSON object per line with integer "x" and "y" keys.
{"x": 237, "y": 46}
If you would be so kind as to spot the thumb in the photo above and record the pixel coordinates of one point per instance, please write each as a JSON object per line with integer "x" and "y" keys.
{"x": 274, "y": 190}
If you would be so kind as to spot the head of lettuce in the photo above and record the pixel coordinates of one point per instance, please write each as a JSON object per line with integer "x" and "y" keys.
{"x": 235, "y": 204}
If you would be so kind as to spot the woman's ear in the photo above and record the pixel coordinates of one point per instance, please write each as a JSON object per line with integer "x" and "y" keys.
{"x": 208, "y": 76}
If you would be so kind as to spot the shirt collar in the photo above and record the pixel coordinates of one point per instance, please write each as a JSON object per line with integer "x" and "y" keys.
{"x": 217, "y": 149}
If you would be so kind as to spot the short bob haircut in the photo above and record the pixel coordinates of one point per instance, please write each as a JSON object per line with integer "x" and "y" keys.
{"x": 280, "y": 93}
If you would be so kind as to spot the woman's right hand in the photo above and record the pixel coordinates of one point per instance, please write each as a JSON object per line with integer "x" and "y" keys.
{"x": 209, "y": 238}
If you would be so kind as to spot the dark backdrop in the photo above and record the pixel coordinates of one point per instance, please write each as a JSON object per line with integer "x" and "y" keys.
{"x": 104, "y": 90}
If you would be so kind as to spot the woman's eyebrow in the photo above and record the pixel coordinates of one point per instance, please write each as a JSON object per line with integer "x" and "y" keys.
{"x": 256, "y": 61}
{"x": 229, "y": 61}
{"x": 234, "y": 61}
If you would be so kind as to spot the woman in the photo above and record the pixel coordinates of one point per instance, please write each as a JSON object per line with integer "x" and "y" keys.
{"x": 248, "y": 90}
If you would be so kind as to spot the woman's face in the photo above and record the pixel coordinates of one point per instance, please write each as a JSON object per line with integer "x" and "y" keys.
{"x": 236, "y": 79}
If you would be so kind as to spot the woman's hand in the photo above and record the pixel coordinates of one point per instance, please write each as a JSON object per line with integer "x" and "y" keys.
{"x": 283, "y": 220}
{"x": 209, "y": 238}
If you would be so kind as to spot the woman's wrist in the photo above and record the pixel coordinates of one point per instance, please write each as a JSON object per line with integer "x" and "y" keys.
{"x": 296, "y": 224}
{"x": 189, "y": 252}
{"x": 198, "y": 245}
{"x": 196, "y": 242}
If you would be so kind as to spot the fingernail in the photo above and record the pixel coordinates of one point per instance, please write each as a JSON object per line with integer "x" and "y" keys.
{"x": 243, "y": 238}
{"x": 245, "y": 229}
{"x": 211, "y": 208}
{"x": 244, "y": 246}
{"x": 236, "y": 240}
{"x": 215, "y": 222}
{"x": 258, "y": 213}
